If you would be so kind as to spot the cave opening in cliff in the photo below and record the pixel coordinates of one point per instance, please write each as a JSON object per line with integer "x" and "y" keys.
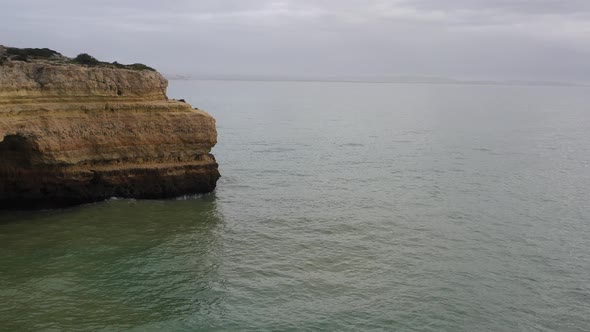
{"x": 17, "y": 149}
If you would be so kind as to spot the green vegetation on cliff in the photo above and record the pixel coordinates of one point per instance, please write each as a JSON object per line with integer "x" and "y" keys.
{"x": 31, "y": 54}
{"x": 86, "y": 59}
{"x": 34, "y": 53}
{"x": 24, "y": 54}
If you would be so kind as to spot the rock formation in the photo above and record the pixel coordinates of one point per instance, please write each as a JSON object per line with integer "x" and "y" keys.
{"x": 71, "y": 134}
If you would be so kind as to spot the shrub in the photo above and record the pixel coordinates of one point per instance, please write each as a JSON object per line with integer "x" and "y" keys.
{"x": 118, "y": 65}
{"x": 86, "y": 59}
{"x": 21, "y": 57}
{"x": 37, "y": 53}
{"x": 140, "y": 66}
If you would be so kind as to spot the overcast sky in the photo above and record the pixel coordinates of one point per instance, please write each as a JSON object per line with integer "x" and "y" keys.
{"x": 478, "y": 39}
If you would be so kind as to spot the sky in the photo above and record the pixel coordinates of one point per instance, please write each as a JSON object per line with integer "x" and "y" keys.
{"x": 465, "y": 39}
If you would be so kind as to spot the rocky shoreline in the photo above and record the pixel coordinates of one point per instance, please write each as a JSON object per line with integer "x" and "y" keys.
{"x": 72, "y": 133}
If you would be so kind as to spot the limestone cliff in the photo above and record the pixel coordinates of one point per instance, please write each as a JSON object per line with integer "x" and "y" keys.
{"x": 71, "y": 134}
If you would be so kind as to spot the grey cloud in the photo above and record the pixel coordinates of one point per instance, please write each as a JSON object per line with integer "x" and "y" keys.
{"x": 536, "y": 39}
{"x": 529, "y": 7}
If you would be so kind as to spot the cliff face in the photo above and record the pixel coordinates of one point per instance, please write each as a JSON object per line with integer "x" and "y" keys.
{"x": 72, "y": 134}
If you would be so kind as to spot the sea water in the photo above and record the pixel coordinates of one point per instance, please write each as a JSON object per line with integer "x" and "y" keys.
{"x": 341, "y": 207}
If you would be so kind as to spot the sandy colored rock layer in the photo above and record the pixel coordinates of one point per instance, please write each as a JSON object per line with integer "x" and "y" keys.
{"x": 71, "y": 134}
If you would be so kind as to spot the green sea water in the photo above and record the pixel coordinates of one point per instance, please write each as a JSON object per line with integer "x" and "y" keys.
{"x": 341, "y": 207}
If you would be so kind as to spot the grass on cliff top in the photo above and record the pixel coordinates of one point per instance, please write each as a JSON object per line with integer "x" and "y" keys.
{"x": 26, "y": 54}
{"x": 35, "y": 53}
{"x": 89, "y": 60}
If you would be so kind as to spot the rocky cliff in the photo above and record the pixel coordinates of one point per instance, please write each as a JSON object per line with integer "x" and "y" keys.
{"x": 72, "y": 134}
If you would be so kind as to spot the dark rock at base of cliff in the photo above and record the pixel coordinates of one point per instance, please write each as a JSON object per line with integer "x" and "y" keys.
{"x": 30, "y": 188}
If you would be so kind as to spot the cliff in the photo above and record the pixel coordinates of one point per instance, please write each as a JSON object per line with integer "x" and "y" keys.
{"x": 71, "y": 134}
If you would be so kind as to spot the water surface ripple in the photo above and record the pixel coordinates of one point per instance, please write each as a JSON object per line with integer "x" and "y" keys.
{"x": 342, "y": 207}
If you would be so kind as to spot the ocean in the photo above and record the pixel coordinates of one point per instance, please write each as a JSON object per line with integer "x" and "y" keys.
{"x": 341, "y": 207}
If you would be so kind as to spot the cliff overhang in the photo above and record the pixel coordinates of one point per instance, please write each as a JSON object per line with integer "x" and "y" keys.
{"x": 72, "y": 133}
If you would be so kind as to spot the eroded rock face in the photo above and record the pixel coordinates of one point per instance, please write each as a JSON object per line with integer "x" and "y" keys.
{"x": 72, "y": 134}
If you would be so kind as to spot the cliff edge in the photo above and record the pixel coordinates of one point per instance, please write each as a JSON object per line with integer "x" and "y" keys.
{"x": 73, "y": 133}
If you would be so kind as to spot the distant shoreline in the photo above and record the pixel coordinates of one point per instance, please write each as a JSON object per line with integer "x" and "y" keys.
{"x": 401, "y": 80}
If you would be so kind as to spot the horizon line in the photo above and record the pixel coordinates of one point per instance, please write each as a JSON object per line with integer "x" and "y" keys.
{"x": 403, "y": 79}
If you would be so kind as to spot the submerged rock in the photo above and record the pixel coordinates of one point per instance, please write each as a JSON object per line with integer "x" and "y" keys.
{"x": 72, "y": 134}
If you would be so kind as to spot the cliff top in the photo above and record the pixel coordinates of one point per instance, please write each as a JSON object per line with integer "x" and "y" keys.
{"x": 41, "y": 75}
{"x": 8, "y": 54}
